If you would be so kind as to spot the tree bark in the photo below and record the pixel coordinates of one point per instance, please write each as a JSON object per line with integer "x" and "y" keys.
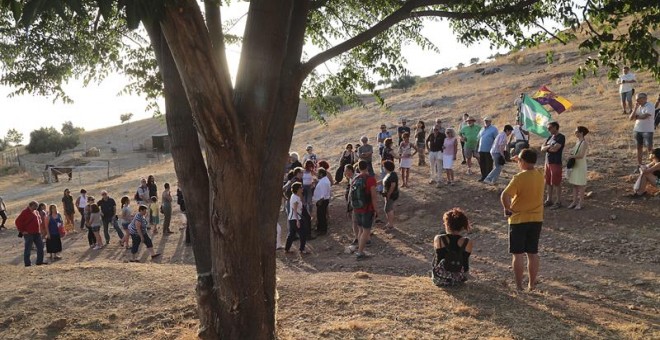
{"x": 191, "y": 173}
{"x": 249, "y": 137}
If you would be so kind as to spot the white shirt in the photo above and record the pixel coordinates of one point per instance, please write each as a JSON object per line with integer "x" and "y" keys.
{"x": 645, "y": 125}
{"x": 82, "y": 203}
{"x": 297, "y": 214}
{"x": 499, "y": 143}
{"x": 322, "y": 190}
{"x": 518, "y": 133}
{"x": 627, "y": 87}
{"x": 307, "y": 178}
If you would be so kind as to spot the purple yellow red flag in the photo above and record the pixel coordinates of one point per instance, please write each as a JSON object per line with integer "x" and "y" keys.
{"x": 546, "y": 97}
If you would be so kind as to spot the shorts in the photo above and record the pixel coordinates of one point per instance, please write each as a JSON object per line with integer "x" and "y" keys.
{"x": 524, "y": 237}
{"x": 627, "y": 96}
{"x": 553, "y": 174}
{"x": 389, "y": 205}
{"x": 364, "y": 220}
{"x": 96, "y": 228}
{"x": 447, "y": 162}
{"x": 124, "y": 225}
{"x": 469, "y": 153}
{"x": 643, "y": 138}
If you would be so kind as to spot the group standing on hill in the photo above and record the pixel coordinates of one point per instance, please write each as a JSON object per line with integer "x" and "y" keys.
{"x": 44, "y": 225}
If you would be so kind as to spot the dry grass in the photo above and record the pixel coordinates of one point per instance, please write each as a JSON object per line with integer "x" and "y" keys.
{"x": 599, "y": 276}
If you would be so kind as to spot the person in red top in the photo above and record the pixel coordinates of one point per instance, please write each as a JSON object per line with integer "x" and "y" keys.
{"x": 28, "y": 224}
{"x": 365, "y": 216}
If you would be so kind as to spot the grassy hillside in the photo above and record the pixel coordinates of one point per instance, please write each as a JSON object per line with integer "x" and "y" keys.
{"x": 599, "y": 266}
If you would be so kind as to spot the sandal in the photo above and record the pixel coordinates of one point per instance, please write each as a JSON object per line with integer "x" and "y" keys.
{"x": 547, "y": 203}
{"x": 154, "y": 256}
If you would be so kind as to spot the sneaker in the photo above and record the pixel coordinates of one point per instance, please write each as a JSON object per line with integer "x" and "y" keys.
{"x": 355, "y": 242}
{"x": 361, "y": 256}
{"x": 464, "y": 162}
{"x": 96, "y": 248}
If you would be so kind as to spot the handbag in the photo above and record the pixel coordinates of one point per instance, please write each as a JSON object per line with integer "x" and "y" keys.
{"x": 61, "y": 230}
{"x": 571, "y": 162}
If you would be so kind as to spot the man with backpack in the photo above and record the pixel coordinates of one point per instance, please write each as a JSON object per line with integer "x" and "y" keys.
{"x": 362, "y": 197}
{"x": 522, "y": 201}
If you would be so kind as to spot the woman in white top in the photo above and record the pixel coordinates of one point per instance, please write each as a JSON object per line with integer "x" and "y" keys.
{"x": 295, "y": 217}
{"x": 308, "y": 184}
{"x": 497, "y": 152}
{"x": 449, "y": 150}
{"x": 407, "y": 151}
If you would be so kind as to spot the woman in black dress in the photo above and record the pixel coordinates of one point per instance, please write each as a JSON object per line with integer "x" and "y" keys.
{"x": 347, "y": 157}
{"x": 151, "y": 184}
{"x": 53, "y": 237}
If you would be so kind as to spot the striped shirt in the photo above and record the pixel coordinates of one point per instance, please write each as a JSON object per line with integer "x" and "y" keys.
{"x": 132, "y": 229}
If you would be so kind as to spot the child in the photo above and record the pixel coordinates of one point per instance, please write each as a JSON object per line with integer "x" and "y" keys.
{"x": 154, "y": 216}
{"x": 452, "y": 250}
{"x": 126, "y": 218}
{"x": 95, "y": 224}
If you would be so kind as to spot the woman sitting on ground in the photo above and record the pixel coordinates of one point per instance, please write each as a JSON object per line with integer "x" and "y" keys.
{"x": 452, "y": 250}
{"x": 649, "y": 174}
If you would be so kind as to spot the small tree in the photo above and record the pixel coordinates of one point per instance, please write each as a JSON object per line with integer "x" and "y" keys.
{"x": 404, "y": 83}
{"x": 474, "y": 60}
{"x": 3, "y": 144}
{"x": 48, "y": 139}
{"x": 14, "y": 137}
{"x": 460, "y": 65}
{"x": 125, "y": 117}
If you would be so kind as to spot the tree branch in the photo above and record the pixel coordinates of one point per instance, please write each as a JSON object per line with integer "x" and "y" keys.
{"x": 214, "y": 24}
{"x": 403, "y": 13}
{"x": 550, "y": 33}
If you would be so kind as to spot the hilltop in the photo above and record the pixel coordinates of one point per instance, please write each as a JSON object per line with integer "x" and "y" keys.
{"x": 599, "y": 269}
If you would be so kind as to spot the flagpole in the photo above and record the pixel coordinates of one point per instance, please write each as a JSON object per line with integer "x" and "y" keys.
{"x": 522, "y": 95}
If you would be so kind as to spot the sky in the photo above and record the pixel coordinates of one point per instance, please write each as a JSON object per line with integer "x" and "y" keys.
{"x": 99, "y": 105}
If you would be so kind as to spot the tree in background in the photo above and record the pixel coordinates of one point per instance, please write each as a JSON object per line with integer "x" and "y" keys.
{"x": 14, "y": 137}
{"x": 125, "y": 117}
{"x": 474, "y": 60}
{"x": 234, "y": 251}
{"x": 404, "y": 82}
{"x": 45, "y": 140}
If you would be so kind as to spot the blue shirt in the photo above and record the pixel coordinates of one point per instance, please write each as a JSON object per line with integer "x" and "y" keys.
{"x": 53, "y": 224}
{"x": 486, "y": 138}
{"x": 132, "y": 228}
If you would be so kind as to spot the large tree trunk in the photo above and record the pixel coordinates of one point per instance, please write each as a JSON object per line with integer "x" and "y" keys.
{"x": 191, "y": 173}
{"x": 248, "y": 132}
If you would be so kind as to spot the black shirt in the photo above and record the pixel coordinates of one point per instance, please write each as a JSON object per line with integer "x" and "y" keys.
{"x": 108, "y": 207}
{"x": 153, "y": 190}
{"x": 391, "y": 179}
{"x": 436, "y": 142}
{"x": 555, "y": 157}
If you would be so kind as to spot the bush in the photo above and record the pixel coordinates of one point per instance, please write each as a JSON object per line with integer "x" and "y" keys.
{"x": 404, "y": 83}
{"x": 48, "y": 139}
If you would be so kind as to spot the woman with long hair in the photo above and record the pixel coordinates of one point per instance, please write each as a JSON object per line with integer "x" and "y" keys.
{"x": 54, "y": 239}
{"x": 126, "y": 217}
{"x": 69, "y": 210}
{"x": 166, "y": 207}
{"x": 347, "y": 156}
{"x": 420, "y": 137}
{"x": 578, "y": 172}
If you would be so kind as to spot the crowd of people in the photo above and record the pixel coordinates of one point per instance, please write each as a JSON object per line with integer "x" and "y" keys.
{"x": 40, "y": 224}
{"x": 523, "y": 199}
{"x": 307, "y": 190}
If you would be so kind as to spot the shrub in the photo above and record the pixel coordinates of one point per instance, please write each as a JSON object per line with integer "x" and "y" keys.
{"x": 48, "y": 139}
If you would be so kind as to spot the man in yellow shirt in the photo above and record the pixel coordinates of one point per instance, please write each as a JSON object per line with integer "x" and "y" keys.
{"x": 522, "y": 201}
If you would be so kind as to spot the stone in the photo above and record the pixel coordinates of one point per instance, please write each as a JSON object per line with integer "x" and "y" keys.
{"x": 613, "y": 217}
{"x": 57, "y": 325}
{"x": 361, "y": 275}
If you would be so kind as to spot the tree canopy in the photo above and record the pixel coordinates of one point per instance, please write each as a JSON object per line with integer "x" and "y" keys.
{"x": 48, "y": 139}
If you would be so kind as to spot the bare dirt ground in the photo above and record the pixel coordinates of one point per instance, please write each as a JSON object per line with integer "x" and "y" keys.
{"x": 599, "y": 266}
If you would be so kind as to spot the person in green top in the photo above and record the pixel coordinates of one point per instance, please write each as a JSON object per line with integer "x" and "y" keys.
{"x": 469, "y": 135}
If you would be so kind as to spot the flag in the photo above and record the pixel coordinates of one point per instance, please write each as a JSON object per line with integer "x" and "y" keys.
{"x": 534, "y": 117}
{"x": 547, "y": 97}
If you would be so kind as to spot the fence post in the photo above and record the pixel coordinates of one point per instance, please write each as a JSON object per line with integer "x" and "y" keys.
{"x": 108, "y": 170}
